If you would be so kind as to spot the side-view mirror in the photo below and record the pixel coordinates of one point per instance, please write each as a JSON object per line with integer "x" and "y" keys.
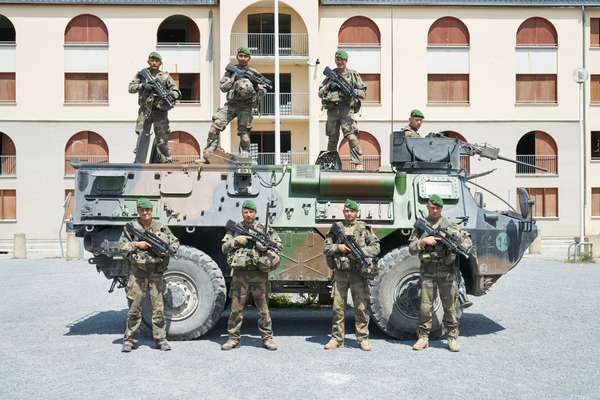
{"x": 525, "y": 203}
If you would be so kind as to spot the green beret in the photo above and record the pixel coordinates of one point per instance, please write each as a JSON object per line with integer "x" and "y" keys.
{"x": 343, "y": 54}
{"x": 351, "y": 204}
{"x": 416, "y": 113}
{"x": 244, "y": 50}
{"x": 155, "y": 55}
{"x": 144, "y": 203}
{"x": 436, "y": 200}
{"x": 249, "y": 204}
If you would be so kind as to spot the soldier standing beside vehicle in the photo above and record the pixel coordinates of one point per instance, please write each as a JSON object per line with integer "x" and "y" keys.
{"x": 146, "y": 275}
{"x": 250, "y": 262}
{"x": 439, "y": 272}
{"x": 414, "y": 123}
{"x": 242, "y": 95}
{"x": 153, "y": 110}
{"x": 348, "y": 274}
{"x": 341, "y": 108}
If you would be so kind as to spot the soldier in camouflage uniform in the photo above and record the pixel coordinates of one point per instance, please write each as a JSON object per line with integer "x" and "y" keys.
{"x": 341, "y": 109}
{"x": 153, "y": 110}
{"x": 439, "y": 272}
{"x": 145, "y": 275}
{"x": 414, "y": 123}
{"x": 242, "y": 95}
{"x": 250, "y": 263}
{"x": 348, "y": 274}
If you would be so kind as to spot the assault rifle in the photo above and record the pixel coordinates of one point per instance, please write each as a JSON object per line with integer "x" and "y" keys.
{"x": 340, "y": 238}
{"x": 255, "y": 78}
{"x": 443, "y": 237}
{"x": 158, "y": 88}
{"x": 346, "y": 89}
{"x": 157, "y": 246}
{"x": 257, "y": 236}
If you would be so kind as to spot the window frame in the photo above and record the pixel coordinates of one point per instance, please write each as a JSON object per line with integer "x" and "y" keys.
{"x": 447, "y": 82}
{"x": 535, "y": 102}
{"x": 2, "y": 199}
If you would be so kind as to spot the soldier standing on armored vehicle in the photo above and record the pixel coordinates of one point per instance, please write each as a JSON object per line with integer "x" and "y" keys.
{"x": 242, "y": 95}
{"x": 145, "y": 275}
{"x": 414, "y": 123}
{"x": 250, "y": 262}
{"x": 153, "y": 109}
{"x": 341, "y": 108}
{"x": 439, "y": 272}
{"x": 348, "y": 274}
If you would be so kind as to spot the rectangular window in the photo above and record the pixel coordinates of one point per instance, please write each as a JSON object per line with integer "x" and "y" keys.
{"x": 595, "y": 145}
{"x": 69, "y": 211}
{"x": 536, "y": 88}
{"x": 189, "y": 85}
{"x": 372, "y": 82}
{"x": 448, "y": 88}
{"x": 8, "y": 90}
{"x": 8, "y": 204}
{"x": 595, "y": 88}
{"x": 545, "y": 201}
{"x": 266, "y": 141}
{"x": 86, "y": 87}
{"x": 596, "y": 202}
{"x": 595, "y": 32}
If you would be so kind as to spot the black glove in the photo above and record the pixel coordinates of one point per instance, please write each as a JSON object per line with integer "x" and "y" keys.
{"x": 333, "y": 86}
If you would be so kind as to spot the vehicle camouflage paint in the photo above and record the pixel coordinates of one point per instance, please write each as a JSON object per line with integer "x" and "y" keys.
{"x": 302, "y": 202}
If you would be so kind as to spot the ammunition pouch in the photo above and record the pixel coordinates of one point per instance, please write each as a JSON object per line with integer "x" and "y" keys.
{"x": 244, "y": 259}
{"x": 268, "y": 262}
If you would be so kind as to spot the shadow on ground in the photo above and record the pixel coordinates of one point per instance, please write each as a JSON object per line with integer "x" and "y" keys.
{"x": 313, "y": 324}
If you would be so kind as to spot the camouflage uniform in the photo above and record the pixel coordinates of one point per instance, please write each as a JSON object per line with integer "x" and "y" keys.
{"x": 242, "y": 95}
{"x": 340, "y": 113}
{"x": 146, "y": 275}
{"x": 153, "y": 111}
{"x": 250, "y": 268}
{"x": 348, "y": 275}
{"x": 411, "y": 132}
{"x": 439, "y": 272}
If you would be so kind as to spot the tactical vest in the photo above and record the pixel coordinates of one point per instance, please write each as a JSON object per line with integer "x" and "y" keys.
{"x": 335, "y": 98}
{"x": 145, "y": 259}
{"x": 342, "y": 262}
{"x": 439, "y": 254}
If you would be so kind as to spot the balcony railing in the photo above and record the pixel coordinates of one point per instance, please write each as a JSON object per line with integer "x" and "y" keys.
{"x": 8, "y": 165}
{"x": 290, "y": 158}
{"x": 184, "y": 158}
{"x": 549, "y": 162}
{"x": 290, "y": 104}
{"x": 91, "y": 159}
{"x": 370, "y": 162}
{"x": 263, "y": 44}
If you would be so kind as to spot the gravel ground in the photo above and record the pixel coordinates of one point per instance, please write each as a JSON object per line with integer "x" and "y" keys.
{"x": 535, "y": 335}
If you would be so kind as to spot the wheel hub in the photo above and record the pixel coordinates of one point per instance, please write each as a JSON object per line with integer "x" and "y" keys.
{"x": 181, "y": 298}
{"x": 406, "y": 294}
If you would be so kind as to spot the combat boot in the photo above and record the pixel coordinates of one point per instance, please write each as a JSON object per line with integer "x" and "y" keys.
{"x": 453, "y": 345}
{"x": 364, "y": 345}
{"x": 332, "y": 344}
{"x": 164, "y": 346}
{"x": 230, "y": 344}
{"x": 127, "y": 347}
{"x": 270, "y": 344}
{"x": 421, "y": 344}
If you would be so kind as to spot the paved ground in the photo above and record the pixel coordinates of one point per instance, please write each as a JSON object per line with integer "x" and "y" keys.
{"x": 534, "y": 336}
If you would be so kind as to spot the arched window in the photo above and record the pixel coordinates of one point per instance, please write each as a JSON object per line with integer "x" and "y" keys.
{"x": 465, "y": 159}
{"x": 8, "y": 156}
{"x": 7, "y": 61}
{"x": 448, "y": 31}
{"x": 537, "y": 31}
{"x": 536, "y": 79}
{"x": 85, "y": 146}
{"x": 7, "y": 31}
{"x": 537, "y": 148}
{"x": 86, "y": 28}
{"x": 370, "y": 148}
{"x": 448, "y": 62}
{"x": 361, "y": 38}
{"x": 184, "y": 147}
{"x": 359, "y": 30}
{"x": 178, "y": 29}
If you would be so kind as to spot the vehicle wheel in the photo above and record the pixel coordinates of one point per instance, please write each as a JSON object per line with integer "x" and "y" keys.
{"x": 195, "y": 295}
{"x": 394, "y": 297}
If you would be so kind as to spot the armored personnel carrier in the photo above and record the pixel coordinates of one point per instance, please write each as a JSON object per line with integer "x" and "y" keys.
{"x": 301, "y": 202}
